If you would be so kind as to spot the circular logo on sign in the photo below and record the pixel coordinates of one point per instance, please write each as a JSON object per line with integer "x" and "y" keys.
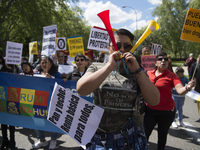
{"x": 61, "y": 44}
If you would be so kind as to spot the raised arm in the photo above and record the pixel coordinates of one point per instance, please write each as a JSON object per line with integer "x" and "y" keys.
{"x": 149, "y": 91}
{"x": 90, "y": 81}
{"x": 184, "y": 89}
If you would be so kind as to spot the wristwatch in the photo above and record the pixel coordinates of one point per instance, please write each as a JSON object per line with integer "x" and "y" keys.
{"x": 139, "y": 70}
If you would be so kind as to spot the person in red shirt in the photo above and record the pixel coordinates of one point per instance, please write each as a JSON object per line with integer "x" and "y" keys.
{"x": 163, "y": 114}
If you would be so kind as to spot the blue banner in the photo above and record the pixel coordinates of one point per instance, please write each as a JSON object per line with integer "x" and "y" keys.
{"x": 24, "y": 100}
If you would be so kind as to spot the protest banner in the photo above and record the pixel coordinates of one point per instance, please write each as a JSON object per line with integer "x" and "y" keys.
{"x": 61, "y": 43}
{"x": 13, "y": 53}
{"x": 156, "y": 49}
{"x": 49, "y": 40}
{"x": 65, "y": 68}
{"x": 191, "y": 27}
{"x": 74, "y": 115}
{"x": 99, "y": 39}
{"x": 148, "y": 62}
{"x": 24, "y": 100}
{"x": 33, "y": 48}
{"x": 75, "y": 45}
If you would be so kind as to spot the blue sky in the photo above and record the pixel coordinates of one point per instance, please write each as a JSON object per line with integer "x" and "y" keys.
{"x": 120, "y": 17}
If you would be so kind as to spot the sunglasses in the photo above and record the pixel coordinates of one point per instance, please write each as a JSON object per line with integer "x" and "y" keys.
{"x": 127, "y": 47}
{"x": 80, "y": 60}
{"x": 160, "y": 59}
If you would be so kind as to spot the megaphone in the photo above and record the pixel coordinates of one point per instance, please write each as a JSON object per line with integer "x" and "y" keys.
{"x": 104, "y": 16}
{"x": 152, "y": 26}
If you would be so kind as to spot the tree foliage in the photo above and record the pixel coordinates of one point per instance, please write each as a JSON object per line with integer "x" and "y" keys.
{"x": 171, "y": 17}
{"x": 23, "y": 21}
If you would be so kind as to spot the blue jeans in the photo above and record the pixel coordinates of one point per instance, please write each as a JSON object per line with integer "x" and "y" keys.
{"x": 41, "y": 136}
{"x": 117, "y": 141}
{"x": 179, "y": 106}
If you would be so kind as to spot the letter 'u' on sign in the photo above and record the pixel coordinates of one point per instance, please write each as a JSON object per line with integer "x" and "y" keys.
{"x": 191, "y": 27}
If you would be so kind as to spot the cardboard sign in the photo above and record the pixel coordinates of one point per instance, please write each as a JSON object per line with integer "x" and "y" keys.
{"x": 33, "y": 48}
{"x": 98, "y": 40}
{"x": 13, "y": 53}
{"x": 191, "y": 27}
{"x": 74, "y": 115}
{"x": 156, "y": 49}
{"x": 65, "y": 68}
{"x": 148, "y": 62}
{"x": 75, "y": 45}
{"x": 49, "y": 40}
{"x": 61, "y": 43}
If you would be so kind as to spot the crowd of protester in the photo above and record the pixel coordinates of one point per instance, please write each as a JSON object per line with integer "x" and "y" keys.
{"x": 155, "y": 113}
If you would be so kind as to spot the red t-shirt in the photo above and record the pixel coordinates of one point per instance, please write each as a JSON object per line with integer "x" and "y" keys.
{"x": 165, "y": 83}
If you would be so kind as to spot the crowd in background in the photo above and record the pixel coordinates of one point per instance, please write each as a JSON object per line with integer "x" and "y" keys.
{"x": 45, "y": 66}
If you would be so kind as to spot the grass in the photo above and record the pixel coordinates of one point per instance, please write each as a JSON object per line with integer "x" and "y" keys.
{"x": 178, "y": 63}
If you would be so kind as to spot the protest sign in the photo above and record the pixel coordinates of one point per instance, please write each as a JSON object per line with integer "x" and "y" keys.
{"x": 75, "y": 45}
{"x": 191, "y": 27}
{"x": 33, "y": 47}
{"x": 24, "y": 100}
{"x": 13, "y": 53}
{"x": 194, "y": 95}
{"x": 61, "y": 43}
{"x": 65, "y": 68}
{"x": 49, "y": 40}
{"x": 156, "y": 49}
{"x": 74, "y": 115}
{"x": 148, "y": 62}
{"x": 31, "y": 57}
{"x": 99, "y": 39}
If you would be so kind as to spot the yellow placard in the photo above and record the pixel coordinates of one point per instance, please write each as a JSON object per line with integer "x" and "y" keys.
{"x": 33, "y": 48}
{"x": 75, "y": 45}
{"x": 191, "y": 27}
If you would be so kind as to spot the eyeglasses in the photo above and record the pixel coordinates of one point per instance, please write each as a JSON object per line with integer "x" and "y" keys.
{"x": 80, "y": 60}
{"x": 160, "y": 59}
{"x": 127, "y": 47}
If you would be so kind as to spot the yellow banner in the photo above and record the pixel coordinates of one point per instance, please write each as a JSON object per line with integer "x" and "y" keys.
{"x": 75, "y": 45}
{"x": 191, "y": 27}
{"x": 33, "y": 48}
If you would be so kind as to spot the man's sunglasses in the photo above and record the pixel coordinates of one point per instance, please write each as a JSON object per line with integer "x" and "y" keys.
{"x": 127, "y": 47}
{"x": 80, "y": 60}
{"x": 160, "y": 59}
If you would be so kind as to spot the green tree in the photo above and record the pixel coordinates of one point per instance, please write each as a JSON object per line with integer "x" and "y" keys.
{"x": 23, "y": 21}
{"x": 171, "y": 19}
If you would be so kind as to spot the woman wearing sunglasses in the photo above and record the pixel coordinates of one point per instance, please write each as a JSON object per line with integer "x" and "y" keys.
{"x": 117, "y": 86}
{"x": 78, "y": 72}
{"x": 163, "y": 114}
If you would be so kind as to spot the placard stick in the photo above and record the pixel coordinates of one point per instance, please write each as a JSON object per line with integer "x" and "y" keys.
{"x": 195, "y": 70}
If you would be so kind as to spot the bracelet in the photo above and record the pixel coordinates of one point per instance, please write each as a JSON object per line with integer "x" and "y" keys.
{"x": 138, "y": 71}
{"x": 187, "y": 89}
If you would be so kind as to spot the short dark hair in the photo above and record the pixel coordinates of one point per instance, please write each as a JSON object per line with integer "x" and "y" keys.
{"x": 124, "y": 32}
{"x": 179, "y": 69}
{"x": 79, "y": 55}
{"x": 161, "y": 54}
{"x": 146, "y": 46}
